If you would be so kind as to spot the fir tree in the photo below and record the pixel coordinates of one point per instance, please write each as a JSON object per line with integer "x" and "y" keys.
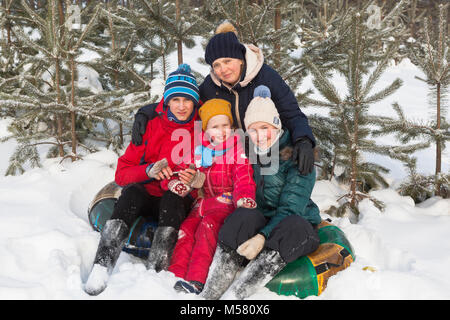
{"x": 362, "y": 60}
{"x": 52, "y": 107}
{"x": 173, "y": 27}
{"x": 432, "y": 57}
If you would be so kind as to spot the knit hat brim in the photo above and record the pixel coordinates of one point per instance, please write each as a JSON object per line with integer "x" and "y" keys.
{"x": 261, "y": 108}
{"x": 214, "y": 107}
{"x": 224, "y": 45}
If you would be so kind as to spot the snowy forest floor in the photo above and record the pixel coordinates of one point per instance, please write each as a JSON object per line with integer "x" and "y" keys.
{"x": 47, "y": 244}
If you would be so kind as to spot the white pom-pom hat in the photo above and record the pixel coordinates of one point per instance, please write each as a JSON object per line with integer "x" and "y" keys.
{"x": 262, "y": 108}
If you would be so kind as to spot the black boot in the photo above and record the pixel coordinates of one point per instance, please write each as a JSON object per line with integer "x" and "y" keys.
{"x": 162, "y": 247}
{"x": 226, "y": 263}
{"x": 113, "y": 238}
{"x": 255, "y": 275}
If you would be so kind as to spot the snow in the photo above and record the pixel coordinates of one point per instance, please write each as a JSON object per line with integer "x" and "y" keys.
{"x": 47, "y": 245}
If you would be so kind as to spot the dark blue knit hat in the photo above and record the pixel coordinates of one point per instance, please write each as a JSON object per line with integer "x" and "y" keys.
{"x": 224, "y": 45}
{"x": 181, "y": 83}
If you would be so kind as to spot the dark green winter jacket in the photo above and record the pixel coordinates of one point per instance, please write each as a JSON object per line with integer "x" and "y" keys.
{"x": 286, "y": 192}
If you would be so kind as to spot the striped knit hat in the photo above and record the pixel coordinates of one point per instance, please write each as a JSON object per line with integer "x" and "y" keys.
{"x": 181, "y": 83}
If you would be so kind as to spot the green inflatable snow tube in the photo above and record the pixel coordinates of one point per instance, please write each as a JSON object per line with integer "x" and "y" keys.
{"x": 308, "y": 275}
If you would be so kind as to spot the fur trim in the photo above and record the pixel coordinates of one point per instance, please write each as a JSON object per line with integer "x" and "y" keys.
{"x": 286, "y": 153}
{"x": 225, "y": 27}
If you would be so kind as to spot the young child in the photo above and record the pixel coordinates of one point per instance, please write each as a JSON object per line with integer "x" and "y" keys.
{"x": 281, "y": 228}
{"x": 229, "y": 184}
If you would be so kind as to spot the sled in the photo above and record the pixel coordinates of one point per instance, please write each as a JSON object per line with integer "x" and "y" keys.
{"x": 101, "y": 209}
{"x": 309, "y": 275}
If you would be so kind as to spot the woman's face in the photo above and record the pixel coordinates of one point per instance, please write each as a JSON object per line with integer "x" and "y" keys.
{"x": 181, "y": 107}
{"x": 218, "y": 128}
{"x": 228, "y": 69}
{"x": 262, "y": 134}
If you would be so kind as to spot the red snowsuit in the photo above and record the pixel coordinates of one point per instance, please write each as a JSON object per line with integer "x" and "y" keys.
{"x": 157, "y": 144}
{"x": 228, "y": 179}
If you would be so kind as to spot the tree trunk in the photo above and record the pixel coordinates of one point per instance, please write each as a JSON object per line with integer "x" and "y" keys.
{"x": 334, "y": 165}
{"x": 438, "y": 141}
{"x": 354, "y": 157}
{"x": 116, "y": 73}
{"x": 179, "y": 42}
{"x": 163, "y": 59}
{"x": 58, "y": 116}
{"x": 72, "y": 113}
{"x": 277, "y": 26}
{"x": 7, "y": 24}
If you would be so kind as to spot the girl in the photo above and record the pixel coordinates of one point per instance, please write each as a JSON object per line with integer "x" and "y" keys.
{"x": 282, "y": 228}
{"x": 228, "y": 184}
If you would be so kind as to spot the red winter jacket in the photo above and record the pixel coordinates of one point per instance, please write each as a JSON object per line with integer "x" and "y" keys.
{"x": 157, "y": 144}
{"x": 230, "y": 172}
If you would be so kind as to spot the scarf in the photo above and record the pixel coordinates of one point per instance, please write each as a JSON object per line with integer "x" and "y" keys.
{"x": 173, "y": 118}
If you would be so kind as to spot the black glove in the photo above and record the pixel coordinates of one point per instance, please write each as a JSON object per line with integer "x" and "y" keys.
{"x": 303, "y": 154}
{"x": 139, "y": 126}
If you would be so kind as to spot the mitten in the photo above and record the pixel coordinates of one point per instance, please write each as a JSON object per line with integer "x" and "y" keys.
{"x": 246, "y": 203}
{"x": 199, "y": 180}
{"x": 303, "y": 154}
{"x": 252, "y": 247}
{"x": 138, "y": 130}
{"x": 179, "y": 188}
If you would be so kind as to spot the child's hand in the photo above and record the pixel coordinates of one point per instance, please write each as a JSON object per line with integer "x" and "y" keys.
{"x": 192, "y": 177}
{"x": 165, "y": 173}
{"x": 187, "y": 175}
{"x": 160, "y": 170}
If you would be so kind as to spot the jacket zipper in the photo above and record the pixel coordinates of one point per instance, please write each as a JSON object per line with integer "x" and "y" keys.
{"x": 236, "y": 108}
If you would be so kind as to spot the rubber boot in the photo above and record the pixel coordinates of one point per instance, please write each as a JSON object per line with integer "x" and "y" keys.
{"x": 226, "y": 263}
{"x": 162, "y": 247}
{"x": 255, "y": 275}
{"x": 113, "y": 238}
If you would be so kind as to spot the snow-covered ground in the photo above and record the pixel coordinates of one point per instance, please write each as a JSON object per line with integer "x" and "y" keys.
{"x": 47, "y": 245}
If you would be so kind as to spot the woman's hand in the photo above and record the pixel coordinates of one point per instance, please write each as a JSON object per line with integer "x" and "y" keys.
{"x": 252, "y": 247}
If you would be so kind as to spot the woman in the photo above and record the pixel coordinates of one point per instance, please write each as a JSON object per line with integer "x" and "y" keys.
{"x": 281, "y": 228}
{"x": 236, "y": 70}
{"x": 145, "y": 171}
